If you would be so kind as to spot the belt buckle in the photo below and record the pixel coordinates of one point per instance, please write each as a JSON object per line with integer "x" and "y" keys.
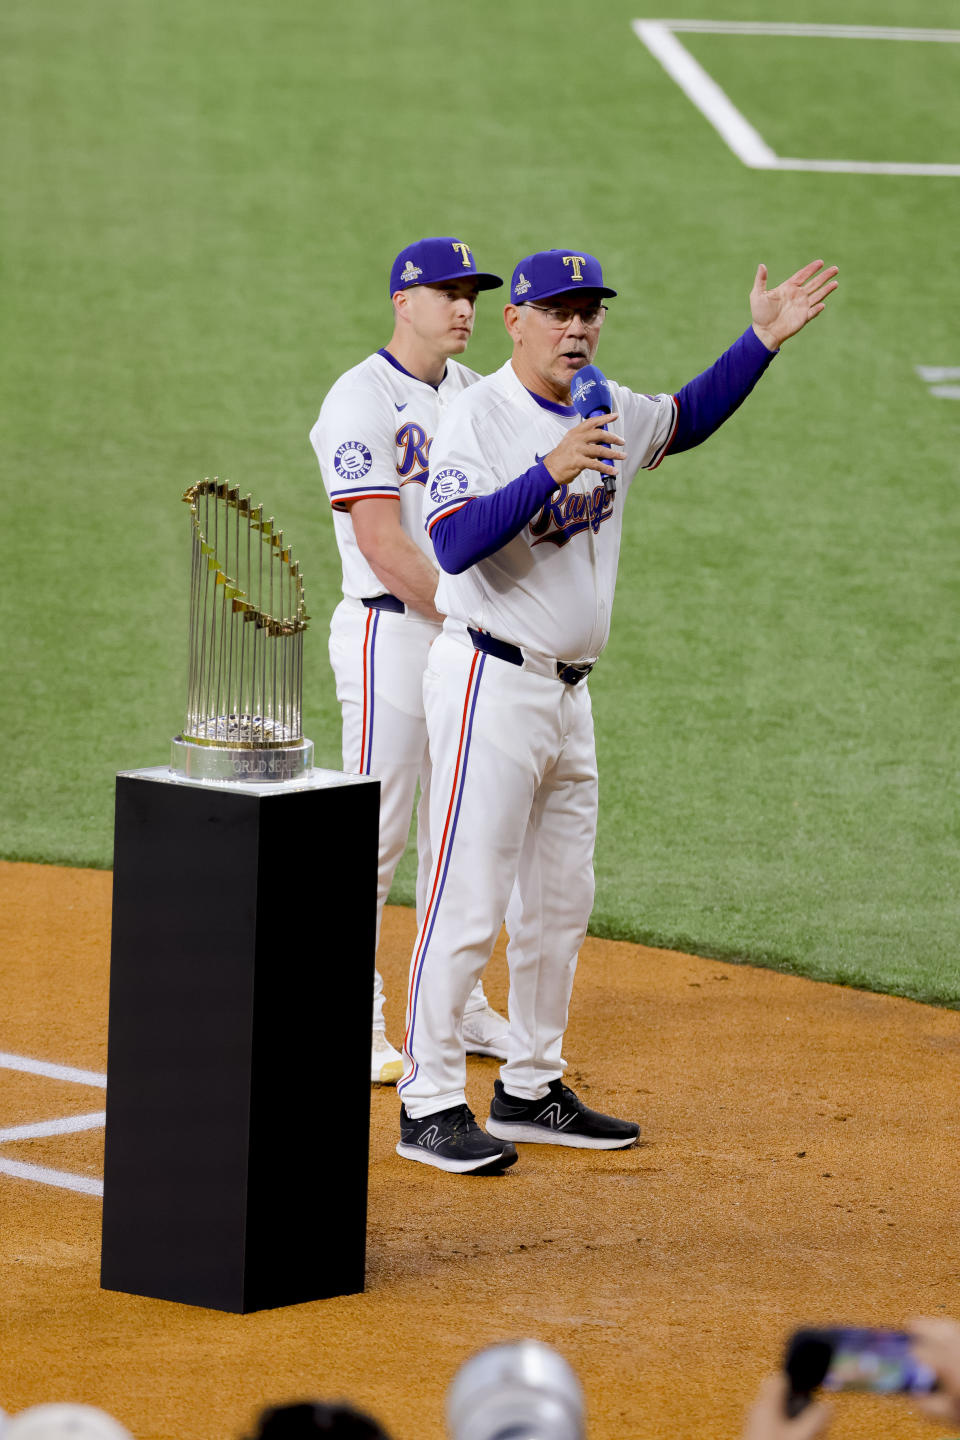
{"x": 572, "y": 674}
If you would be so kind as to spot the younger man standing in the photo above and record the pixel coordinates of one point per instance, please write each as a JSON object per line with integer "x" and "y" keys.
{"x": 372, "y": 440}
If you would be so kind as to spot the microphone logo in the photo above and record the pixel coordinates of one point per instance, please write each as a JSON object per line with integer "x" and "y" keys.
{"x": 591, "y": 405}
{"x": 580, "y": 391}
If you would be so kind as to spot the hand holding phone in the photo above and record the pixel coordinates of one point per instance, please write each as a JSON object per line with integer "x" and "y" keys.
{"x": 768, "y": 1420}
{"x": 936, "y": 1341}
{"x": 843, "y": 1358}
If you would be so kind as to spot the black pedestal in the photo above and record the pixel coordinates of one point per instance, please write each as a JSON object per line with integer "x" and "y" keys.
{"x": 238, "y": 1070}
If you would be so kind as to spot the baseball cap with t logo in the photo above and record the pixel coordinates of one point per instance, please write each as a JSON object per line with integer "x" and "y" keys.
{"x": 555, "y": 272}
{"x": 435, "y": 260}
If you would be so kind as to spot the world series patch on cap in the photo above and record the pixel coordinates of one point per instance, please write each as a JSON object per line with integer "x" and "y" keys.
{"x": 435, "y": 260}
{"x": 556, "y": 272}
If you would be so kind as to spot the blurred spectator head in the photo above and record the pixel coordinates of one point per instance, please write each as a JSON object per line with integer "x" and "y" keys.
{"x": 307, "y": 1419}
{"x": 64, "y": 1422}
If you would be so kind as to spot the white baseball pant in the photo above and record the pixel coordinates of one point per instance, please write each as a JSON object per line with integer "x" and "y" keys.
{"x": 513, "y": 798}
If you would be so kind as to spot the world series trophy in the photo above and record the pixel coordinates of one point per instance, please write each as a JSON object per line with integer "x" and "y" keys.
{"x": 245, "y": 671}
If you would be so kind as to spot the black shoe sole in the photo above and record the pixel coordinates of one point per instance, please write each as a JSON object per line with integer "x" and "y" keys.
{"x": 523, "y": 1132}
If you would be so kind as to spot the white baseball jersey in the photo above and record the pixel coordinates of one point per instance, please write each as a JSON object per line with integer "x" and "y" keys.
{"x": 372, "y": 438}
{"x": 550, "y": 589}
{"x": 514, "y": 788}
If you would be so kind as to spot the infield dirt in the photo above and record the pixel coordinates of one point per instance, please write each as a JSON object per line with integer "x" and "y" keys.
{"x": 798, "y": 1164}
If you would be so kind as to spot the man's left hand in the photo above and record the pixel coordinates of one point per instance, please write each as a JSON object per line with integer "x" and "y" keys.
{"x": 779, "y": 313}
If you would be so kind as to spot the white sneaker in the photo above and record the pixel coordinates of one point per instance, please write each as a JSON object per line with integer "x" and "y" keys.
{"x": 486, "y": 1033}
{"x": 386, "y": 1064}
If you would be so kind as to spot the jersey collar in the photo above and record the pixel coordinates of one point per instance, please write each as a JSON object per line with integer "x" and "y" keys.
{"x": 391, "y": 360}
{"x": 552, "y": 405}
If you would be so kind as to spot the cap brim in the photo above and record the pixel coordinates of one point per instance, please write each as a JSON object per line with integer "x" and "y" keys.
{"x": 603, "y": 290}
{"x": 485, "y": 281}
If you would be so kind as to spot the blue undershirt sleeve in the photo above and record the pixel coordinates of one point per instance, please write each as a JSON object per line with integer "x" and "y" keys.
{"x": 707, "y": 401}
{"x": 487, "y": 522}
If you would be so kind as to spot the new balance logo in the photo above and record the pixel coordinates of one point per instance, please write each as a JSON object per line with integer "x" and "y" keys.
{"x": 553, "y": 1117}
{"x": 430, "y": 1138}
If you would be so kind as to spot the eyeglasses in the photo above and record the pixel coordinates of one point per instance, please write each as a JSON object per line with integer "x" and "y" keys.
{"x": 561, "y": 315}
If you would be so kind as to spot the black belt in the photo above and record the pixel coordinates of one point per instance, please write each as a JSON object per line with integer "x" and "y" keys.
{"x": 503, "y": 650}
{"x": 384, "y": 602}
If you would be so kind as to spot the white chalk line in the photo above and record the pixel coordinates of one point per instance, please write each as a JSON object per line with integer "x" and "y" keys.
{"x": 934, "y": 375}
{"x": 867, "y": 167}
{"x": 52, "y": 1071}
{"x": 734, "y": 129}
{"x": 819, "y": 32}
{"x": 704, "y": 92}
{"x": 63, "y": 1179}
{"x": 64, "y": 1125}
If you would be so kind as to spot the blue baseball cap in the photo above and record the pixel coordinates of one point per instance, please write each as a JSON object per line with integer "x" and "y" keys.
{"x": 438, "y": 258}
{"x": 554, "y": 272}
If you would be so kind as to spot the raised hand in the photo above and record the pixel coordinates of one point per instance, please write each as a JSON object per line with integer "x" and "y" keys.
{"x": 781, "y": 312}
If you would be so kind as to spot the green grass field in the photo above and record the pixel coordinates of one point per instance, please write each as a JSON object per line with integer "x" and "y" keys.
{"x": 199, "y": 205}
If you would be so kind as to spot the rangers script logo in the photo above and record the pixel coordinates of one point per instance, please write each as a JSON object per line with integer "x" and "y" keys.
{"x": 567, "y": 514}
{"x": 413, "y": 452}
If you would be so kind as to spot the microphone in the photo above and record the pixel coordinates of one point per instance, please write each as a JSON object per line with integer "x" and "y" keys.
{"x": 522, "y": 1390}
{"x": 590, "y": 396}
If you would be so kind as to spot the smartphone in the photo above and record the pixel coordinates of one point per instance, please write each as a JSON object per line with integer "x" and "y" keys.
{"x": 850, "y": 1359}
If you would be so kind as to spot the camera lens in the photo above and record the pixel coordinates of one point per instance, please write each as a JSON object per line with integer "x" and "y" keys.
{"x": 518, "y": 1391}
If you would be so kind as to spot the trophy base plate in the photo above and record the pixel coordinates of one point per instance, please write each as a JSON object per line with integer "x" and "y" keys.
{"x": 224, "y": 762}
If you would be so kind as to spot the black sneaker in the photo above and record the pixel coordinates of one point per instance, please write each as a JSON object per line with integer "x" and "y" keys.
{"x": 558, "y": 1119}
{"x": 452, "y": 1140}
